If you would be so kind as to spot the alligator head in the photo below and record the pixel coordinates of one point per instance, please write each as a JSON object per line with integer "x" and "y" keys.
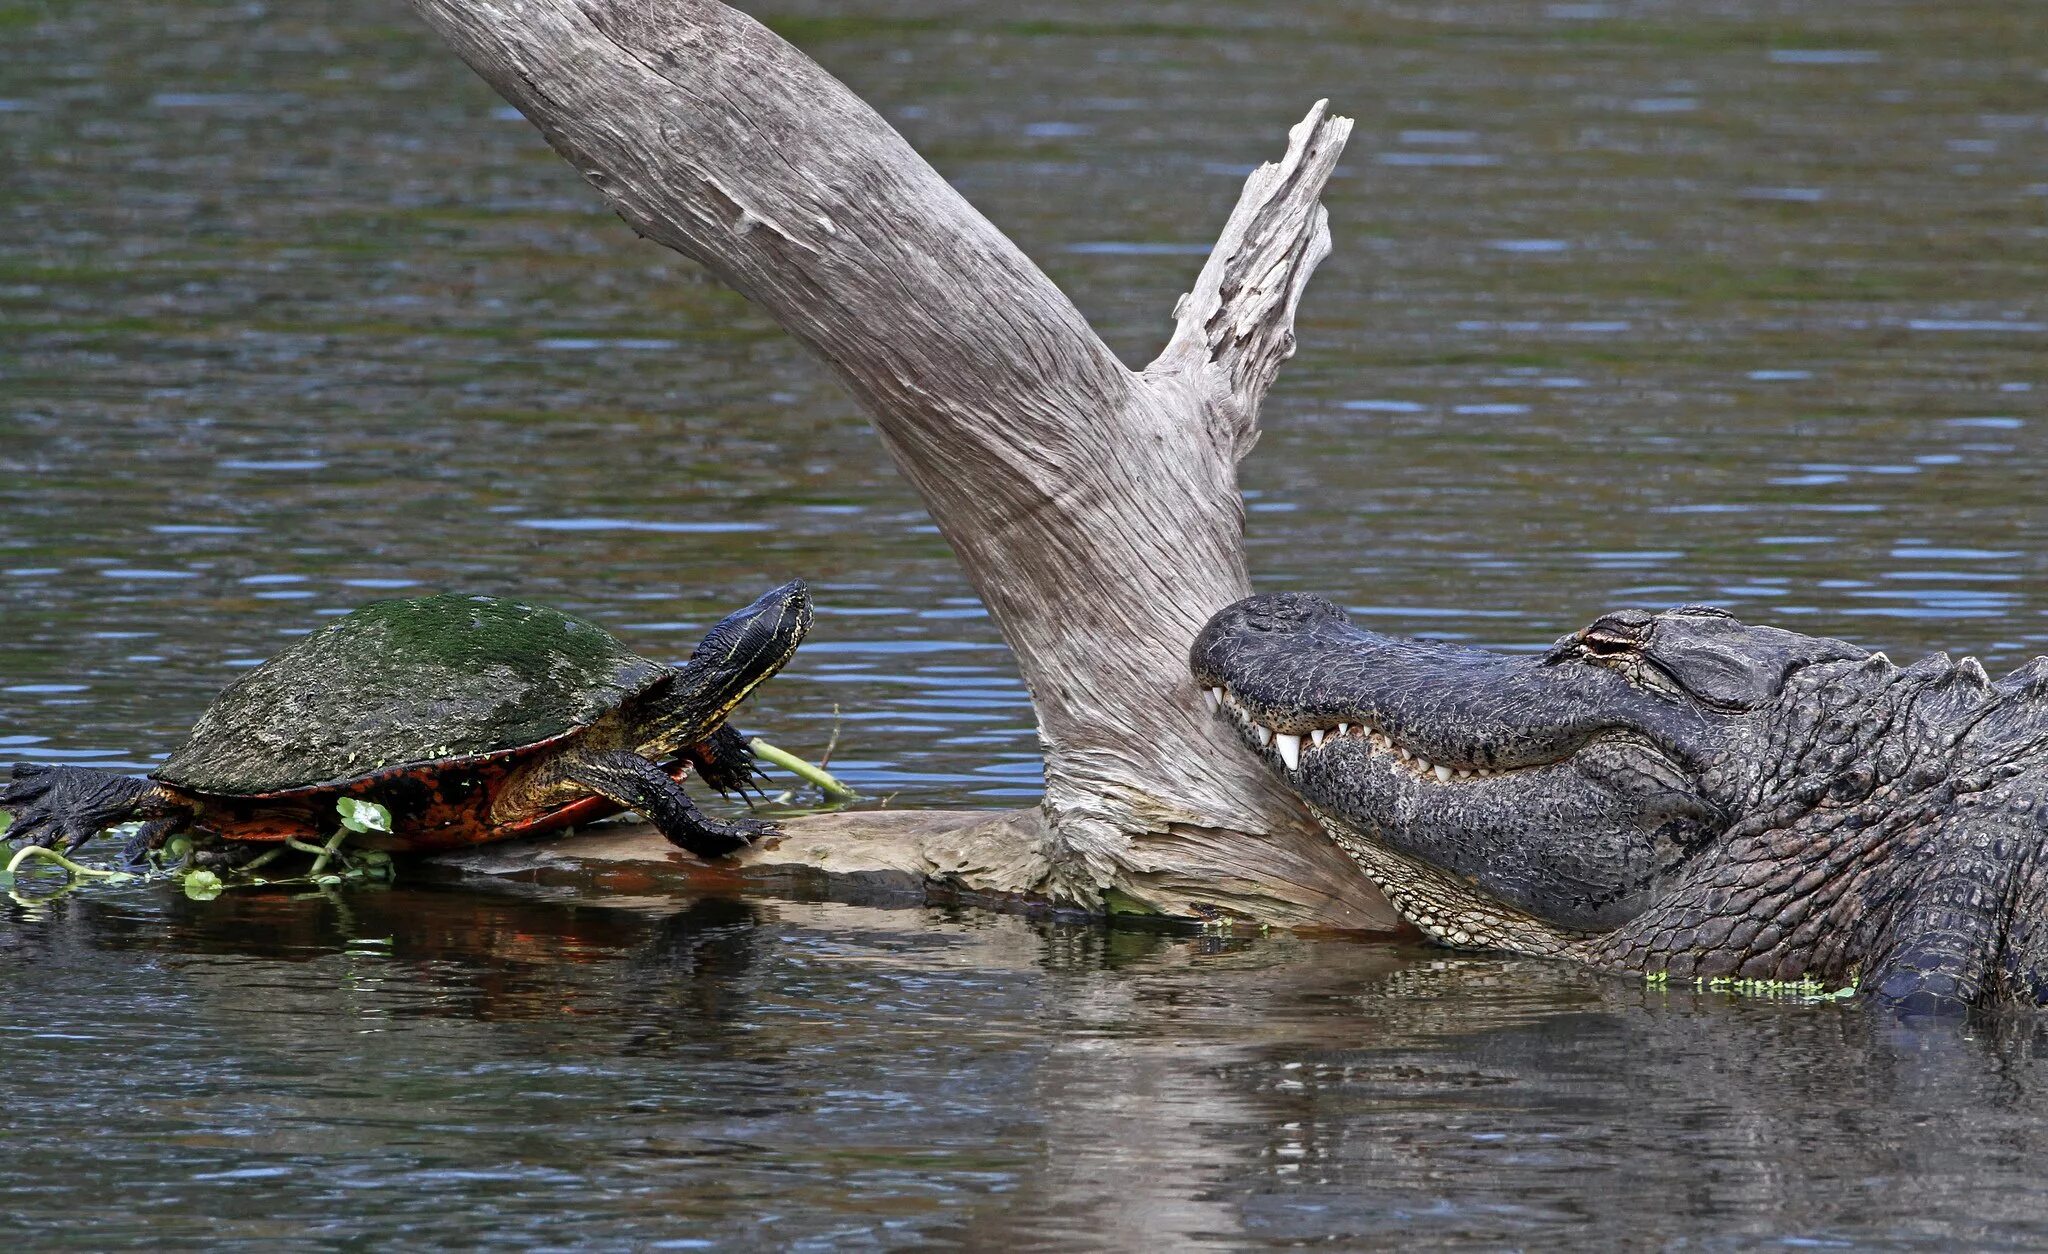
{"x": 1675, "y": 792}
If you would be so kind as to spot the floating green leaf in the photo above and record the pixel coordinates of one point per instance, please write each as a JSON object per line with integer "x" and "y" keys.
{"x": 203, "y": 886}
{"x": 363, "y": 816}
{"x": 177, "y": 851}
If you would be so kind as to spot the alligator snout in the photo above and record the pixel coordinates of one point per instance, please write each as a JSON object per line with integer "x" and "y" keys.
{"x": 1261, "y": 624}
{"x": 1295, "y": 663}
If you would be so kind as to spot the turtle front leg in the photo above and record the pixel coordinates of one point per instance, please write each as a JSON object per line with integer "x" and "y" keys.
{"x": 724, "y": 762}
{"x": 638, "y": 784}
{"x": 65, "y": 806}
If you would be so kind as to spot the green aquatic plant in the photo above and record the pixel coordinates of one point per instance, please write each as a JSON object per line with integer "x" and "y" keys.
{"x": 332, "y": 862}
{"x": 363, "y": 816}
{"x": 32, "y": 853}
{"x": 357, "y": 818}
{"x": 818, "y": 776}
{"x": 1804, "y": 989}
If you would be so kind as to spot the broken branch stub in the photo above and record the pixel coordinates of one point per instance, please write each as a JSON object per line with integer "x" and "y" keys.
{"x": 1095, "y": 509}
{"x": 1237, "y": 325}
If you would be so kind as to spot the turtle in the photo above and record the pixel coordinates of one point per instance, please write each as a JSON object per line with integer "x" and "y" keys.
{"x": 469, "y": 718}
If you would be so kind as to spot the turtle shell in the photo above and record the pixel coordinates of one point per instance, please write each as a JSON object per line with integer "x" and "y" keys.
{"x": 407, "y": 683}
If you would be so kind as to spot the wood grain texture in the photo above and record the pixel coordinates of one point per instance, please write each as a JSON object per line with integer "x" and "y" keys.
{"x": 1095, "y": 508}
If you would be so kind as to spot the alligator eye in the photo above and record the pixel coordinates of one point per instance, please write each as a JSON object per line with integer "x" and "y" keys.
{"x": 1603, "y": 645}
{"x": 1620, "y": 632}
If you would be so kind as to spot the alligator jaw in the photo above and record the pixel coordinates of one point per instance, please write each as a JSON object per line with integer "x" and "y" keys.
{"x": 1446, "y": 907}
{"x": 1292, "y": 748}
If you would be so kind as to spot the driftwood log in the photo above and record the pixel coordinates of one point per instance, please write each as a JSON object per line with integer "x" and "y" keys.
{"x": 1095, "y": 508}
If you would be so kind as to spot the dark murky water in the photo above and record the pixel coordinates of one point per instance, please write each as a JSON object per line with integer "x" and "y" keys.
{"x": 1632, "y": 304}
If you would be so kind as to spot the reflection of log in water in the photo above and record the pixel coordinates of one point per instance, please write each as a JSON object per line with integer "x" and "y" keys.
{"x": 1215, "y": 1087}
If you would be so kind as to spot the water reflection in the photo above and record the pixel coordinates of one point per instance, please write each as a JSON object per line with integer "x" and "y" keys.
{"x": 456, "y": 1063}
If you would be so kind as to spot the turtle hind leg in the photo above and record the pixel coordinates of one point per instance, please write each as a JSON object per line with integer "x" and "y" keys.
{"x": 65, "y": 806}
{"x": 638, "y": 784}
{"x": 152, "y": 836}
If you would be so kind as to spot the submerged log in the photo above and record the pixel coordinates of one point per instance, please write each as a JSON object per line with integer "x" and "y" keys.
{"x": 1095, "y": 508}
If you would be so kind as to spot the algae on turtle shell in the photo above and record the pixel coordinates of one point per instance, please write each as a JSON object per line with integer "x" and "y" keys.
{"x": 425, "y": 678}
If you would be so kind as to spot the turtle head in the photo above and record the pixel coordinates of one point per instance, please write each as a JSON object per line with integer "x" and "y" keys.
{"x": 742, "y": 650}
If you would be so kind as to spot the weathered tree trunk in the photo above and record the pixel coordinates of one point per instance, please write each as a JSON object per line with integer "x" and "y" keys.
{"x": 1095, "y": 509}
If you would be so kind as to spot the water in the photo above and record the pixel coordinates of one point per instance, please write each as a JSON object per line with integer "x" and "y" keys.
{"x": 1630, "y": 306}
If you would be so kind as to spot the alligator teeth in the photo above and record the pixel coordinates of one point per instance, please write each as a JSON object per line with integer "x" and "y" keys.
{"x": 1290, "y": 750}
{"x": 1290, "y": 743}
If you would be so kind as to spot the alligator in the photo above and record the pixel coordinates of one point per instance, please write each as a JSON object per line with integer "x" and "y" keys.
{"x": 1678, "y": 794}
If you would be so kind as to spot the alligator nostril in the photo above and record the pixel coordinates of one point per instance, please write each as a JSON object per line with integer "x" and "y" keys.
{"x": 1284, "y": 619}
{"x": 1277, "y": 614}
{"x": 1287, "y": 612}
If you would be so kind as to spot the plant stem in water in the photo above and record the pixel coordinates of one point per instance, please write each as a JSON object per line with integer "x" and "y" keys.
{"x": 72, "y": 868}
{"x": 827, "y": 784}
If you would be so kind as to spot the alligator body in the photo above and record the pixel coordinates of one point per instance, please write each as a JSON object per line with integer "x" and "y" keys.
{"x": 1675, "y": 792}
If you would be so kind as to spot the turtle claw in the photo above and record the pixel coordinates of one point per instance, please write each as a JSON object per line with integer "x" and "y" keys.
{"x": 49, "y": 831}
{"x": 724, "y": 762}
{"x": 750, "y": 830}
{"x": 716, "y": 839}
{"x": 23, "y": 798}
{"x": 26, "y": 828}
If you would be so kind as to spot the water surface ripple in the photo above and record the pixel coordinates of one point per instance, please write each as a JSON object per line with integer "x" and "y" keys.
{"x": 1630, "y": 305}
